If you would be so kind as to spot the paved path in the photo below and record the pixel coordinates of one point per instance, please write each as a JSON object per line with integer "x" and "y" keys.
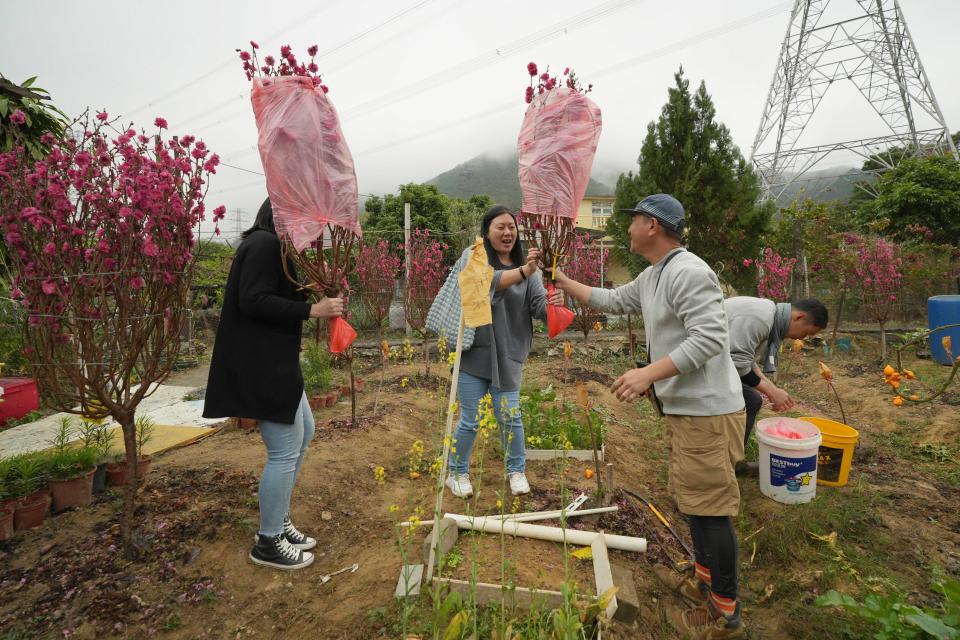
{"x": 165, "y": 406}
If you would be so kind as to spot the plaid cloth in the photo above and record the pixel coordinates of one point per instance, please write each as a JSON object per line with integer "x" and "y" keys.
{"x": 444, "y": 315}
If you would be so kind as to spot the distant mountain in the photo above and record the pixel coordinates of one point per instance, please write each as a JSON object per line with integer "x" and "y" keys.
{"x": 825, "y": 185}
{"x": 495, "y": 177}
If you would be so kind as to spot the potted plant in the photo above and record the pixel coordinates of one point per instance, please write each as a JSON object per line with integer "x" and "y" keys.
{"x": 70, "y": 470}
{"x": 7, "y": 499}
{"x": 29, "y": 484}
{"x": 6, "y": 522}
{"x": 315, "y": 365}
{"x": 116, "y": 471}
{"x": 96, "y": 436}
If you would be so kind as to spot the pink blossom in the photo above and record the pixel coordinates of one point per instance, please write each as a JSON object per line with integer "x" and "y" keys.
{"x": 254, "y": 45}
{"x": 532, "y": 69}
{"x": 49, "y": 287}
{"x": 324, "y": 88}
{"x": 210, "y": 166}
{"x": 313, "y": 67}
{"x": 136, "y": 283}
{"x": 285, "y": 51}
{"x": 102, "y": 115}
{"x": 245, "y": 56}
{"x": 150, "y": 248}
{"x": 50, "y": 248}
{"x": 18, "y": 117}
{"x": 747, "y": 262}
{"x": 219, "y": 213}
{"x": 528, "y": 95}
{"x": 269, "y": 61}
{"x": 312, "y": 50}
{"x": 160, "y": 123}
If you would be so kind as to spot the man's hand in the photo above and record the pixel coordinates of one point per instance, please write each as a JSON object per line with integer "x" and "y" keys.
{"x": 631, "y": 385}
{"x": 780, "y": 399}
{"x": 327, "y": 308}
{"x": 556, "y": 298}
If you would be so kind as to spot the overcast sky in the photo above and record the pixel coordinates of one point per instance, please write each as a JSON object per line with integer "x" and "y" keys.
{"x": 423, "y": 85}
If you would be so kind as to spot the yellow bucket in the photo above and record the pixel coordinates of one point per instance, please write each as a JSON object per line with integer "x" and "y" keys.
{"x": 836, "y": 451}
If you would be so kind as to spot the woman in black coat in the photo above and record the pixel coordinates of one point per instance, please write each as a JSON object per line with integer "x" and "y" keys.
{"x": 255, "y": 373}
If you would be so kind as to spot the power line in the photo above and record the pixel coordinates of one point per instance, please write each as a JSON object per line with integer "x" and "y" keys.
{"x": 346, "y": 43}
{"x": 609, "y": 70}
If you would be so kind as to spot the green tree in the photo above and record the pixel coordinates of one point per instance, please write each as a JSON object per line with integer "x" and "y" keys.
{"x": 464, "y": 220}
{"x": 690, "y": 155}
{"x": 429, "y": 209}
{"x": 41, "y": 116}
{"x": 920, "y": 196}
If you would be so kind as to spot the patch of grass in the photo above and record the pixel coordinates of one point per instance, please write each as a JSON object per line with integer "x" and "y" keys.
{"x": 172, "y": 623}
{"x": 940, "y": 460}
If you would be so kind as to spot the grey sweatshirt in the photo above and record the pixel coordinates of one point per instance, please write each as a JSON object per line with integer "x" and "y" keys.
{"x": 499, "y": 350}
{"x": 683, "y": 318}
{"x": 750, "y": 321}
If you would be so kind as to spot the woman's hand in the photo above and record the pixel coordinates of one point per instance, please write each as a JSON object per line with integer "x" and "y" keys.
{"x": 533, "y": 262}
{"x": 327, "y": 308}
{"x": 556, "y": 298}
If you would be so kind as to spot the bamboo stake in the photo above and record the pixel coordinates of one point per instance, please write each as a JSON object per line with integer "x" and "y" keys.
{"x": 447, "y": 438}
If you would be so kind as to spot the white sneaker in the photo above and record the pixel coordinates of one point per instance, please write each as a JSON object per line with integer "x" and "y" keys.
{"x": 518, "y": 483}
{"x": 459, "y": 484}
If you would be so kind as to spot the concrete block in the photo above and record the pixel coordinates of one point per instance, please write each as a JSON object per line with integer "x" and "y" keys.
{"x": 448, "y": 538}
{"x": 409, "y": 582}
{"x": 628, "y": 604}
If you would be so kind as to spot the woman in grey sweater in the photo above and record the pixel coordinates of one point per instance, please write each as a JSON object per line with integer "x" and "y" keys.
{"x": 494, "y": 363}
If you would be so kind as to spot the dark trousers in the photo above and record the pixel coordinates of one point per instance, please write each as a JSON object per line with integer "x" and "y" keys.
{"x": 715, "y": 547}
{"x": 753, "y": 400}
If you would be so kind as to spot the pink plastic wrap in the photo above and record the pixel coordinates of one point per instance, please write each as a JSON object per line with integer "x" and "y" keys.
{"x": 310, "y": 175}
{"x": 556, "y": 146}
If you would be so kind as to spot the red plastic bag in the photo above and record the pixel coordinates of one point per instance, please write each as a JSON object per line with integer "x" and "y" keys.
{"x": 309, "y": 168}
{"x": 558, "y": 316}
{"x": 342, "y": 335}
{"x": 556, "y": 146}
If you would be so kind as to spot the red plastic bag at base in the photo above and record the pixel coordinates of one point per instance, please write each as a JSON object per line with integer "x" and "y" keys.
{"x": 558, "y": 317}
{"x": 342, "y": 335}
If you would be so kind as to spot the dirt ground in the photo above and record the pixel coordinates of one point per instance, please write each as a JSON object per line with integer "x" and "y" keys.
{"x": 897, "y": 519}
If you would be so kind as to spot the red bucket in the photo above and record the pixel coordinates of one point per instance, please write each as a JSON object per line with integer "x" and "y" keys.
{"x": 20, "y": 397}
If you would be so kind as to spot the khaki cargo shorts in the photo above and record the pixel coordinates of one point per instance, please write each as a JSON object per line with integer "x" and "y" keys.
{"x": 703, "y": 452}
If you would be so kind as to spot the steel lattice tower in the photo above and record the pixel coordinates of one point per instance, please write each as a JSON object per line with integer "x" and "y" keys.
{"x": 868, "y": 45}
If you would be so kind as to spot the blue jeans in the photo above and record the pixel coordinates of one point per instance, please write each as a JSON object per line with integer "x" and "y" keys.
{"x": 286, "y": 447}
{"x": 506, "y": 408}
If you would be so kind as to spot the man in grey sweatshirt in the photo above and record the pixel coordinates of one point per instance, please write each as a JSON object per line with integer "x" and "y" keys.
{"x": 757, "y": 328}
{"x": 695, "y": 381}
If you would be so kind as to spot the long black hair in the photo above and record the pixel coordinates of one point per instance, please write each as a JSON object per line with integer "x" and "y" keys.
{"x": 516, "y": 253}
{"x": 264, "y": 220}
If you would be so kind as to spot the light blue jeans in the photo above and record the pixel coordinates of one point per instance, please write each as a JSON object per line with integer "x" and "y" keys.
{"x": 286, "y": 448}
{"x": 506, "y": 408}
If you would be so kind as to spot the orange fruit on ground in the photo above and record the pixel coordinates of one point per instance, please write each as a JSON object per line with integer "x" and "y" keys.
{"x": 898, "y": 401}
{"x": 588, "y": 473}
{"x": 914, "y": 397}
{"x": 888, "y": 370}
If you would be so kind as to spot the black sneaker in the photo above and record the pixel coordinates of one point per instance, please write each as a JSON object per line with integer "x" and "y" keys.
{"x": 295, "y": 537}
{"x": 746, "y": 469}
{"x": 276, "y": 552}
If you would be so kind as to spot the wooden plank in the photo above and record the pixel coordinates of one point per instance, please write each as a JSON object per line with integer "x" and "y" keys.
{"x": 628, "y": 603}
{"x": 602, "y": 573}
{"x": 517, "y": 597}
{"x": 446, "y": 541}
{"x": 583, "y": 455}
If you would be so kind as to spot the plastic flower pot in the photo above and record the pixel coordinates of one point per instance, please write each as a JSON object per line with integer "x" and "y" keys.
{"x": 100, "y": 478}
{"x": 6, "y": 522}
{"x": 31, "y": 512}
{"x": 75, "y": 492}
{"x": 117, "y": 471}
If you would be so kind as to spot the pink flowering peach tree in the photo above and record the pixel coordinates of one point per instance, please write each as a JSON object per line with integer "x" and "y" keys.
{"x": 878, "y": 273}
{"x": 773, "y": 274}
{"x": 376, "y": 272}
{"x": 586, "y": 266}
{"x": 100, "y": 233}
{"x": 426, "y": 276}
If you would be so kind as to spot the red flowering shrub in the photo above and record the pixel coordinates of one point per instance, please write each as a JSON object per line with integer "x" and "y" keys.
{"x": 100, "y": 237}
{"x": 376, "y": 272}
{"x": 585, "y": 265}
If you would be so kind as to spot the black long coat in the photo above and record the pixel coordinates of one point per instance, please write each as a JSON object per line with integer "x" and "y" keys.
{"x": 255, "y": 367}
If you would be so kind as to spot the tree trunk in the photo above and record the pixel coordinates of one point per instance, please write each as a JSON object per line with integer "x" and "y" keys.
{"x": 128, "y": 425}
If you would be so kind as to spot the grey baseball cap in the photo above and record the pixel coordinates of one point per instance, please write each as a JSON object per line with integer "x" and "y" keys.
{"x": 664, "y": 208}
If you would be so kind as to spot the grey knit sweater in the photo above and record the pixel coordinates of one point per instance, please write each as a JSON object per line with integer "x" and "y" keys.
{"x": 683, "y": 318}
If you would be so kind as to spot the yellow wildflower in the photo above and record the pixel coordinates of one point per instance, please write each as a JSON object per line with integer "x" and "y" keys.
{"x": 394, "y": 508}
{"x": 380, "y": 475}
{"x": 451, "y": 358}
{"x": 404, "y": 382}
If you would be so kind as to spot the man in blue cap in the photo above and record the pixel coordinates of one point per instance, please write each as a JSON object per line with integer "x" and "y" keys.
{"x": 696, "y": 386}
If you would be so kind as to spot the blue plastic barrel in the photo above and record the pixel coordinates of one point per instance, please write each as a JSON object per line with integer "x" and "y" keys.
{"x": 944, "y": 310}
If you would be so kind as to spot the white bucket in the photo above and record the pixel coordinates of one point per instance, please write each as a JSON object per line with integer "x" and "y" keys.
{"x": 788, "y": 466}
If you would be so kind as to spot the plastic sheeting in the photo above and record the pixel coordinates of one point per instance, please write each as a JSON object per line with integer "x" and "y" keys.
{"x": 556, "y": 146}
{"x": 309, "y": 168}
